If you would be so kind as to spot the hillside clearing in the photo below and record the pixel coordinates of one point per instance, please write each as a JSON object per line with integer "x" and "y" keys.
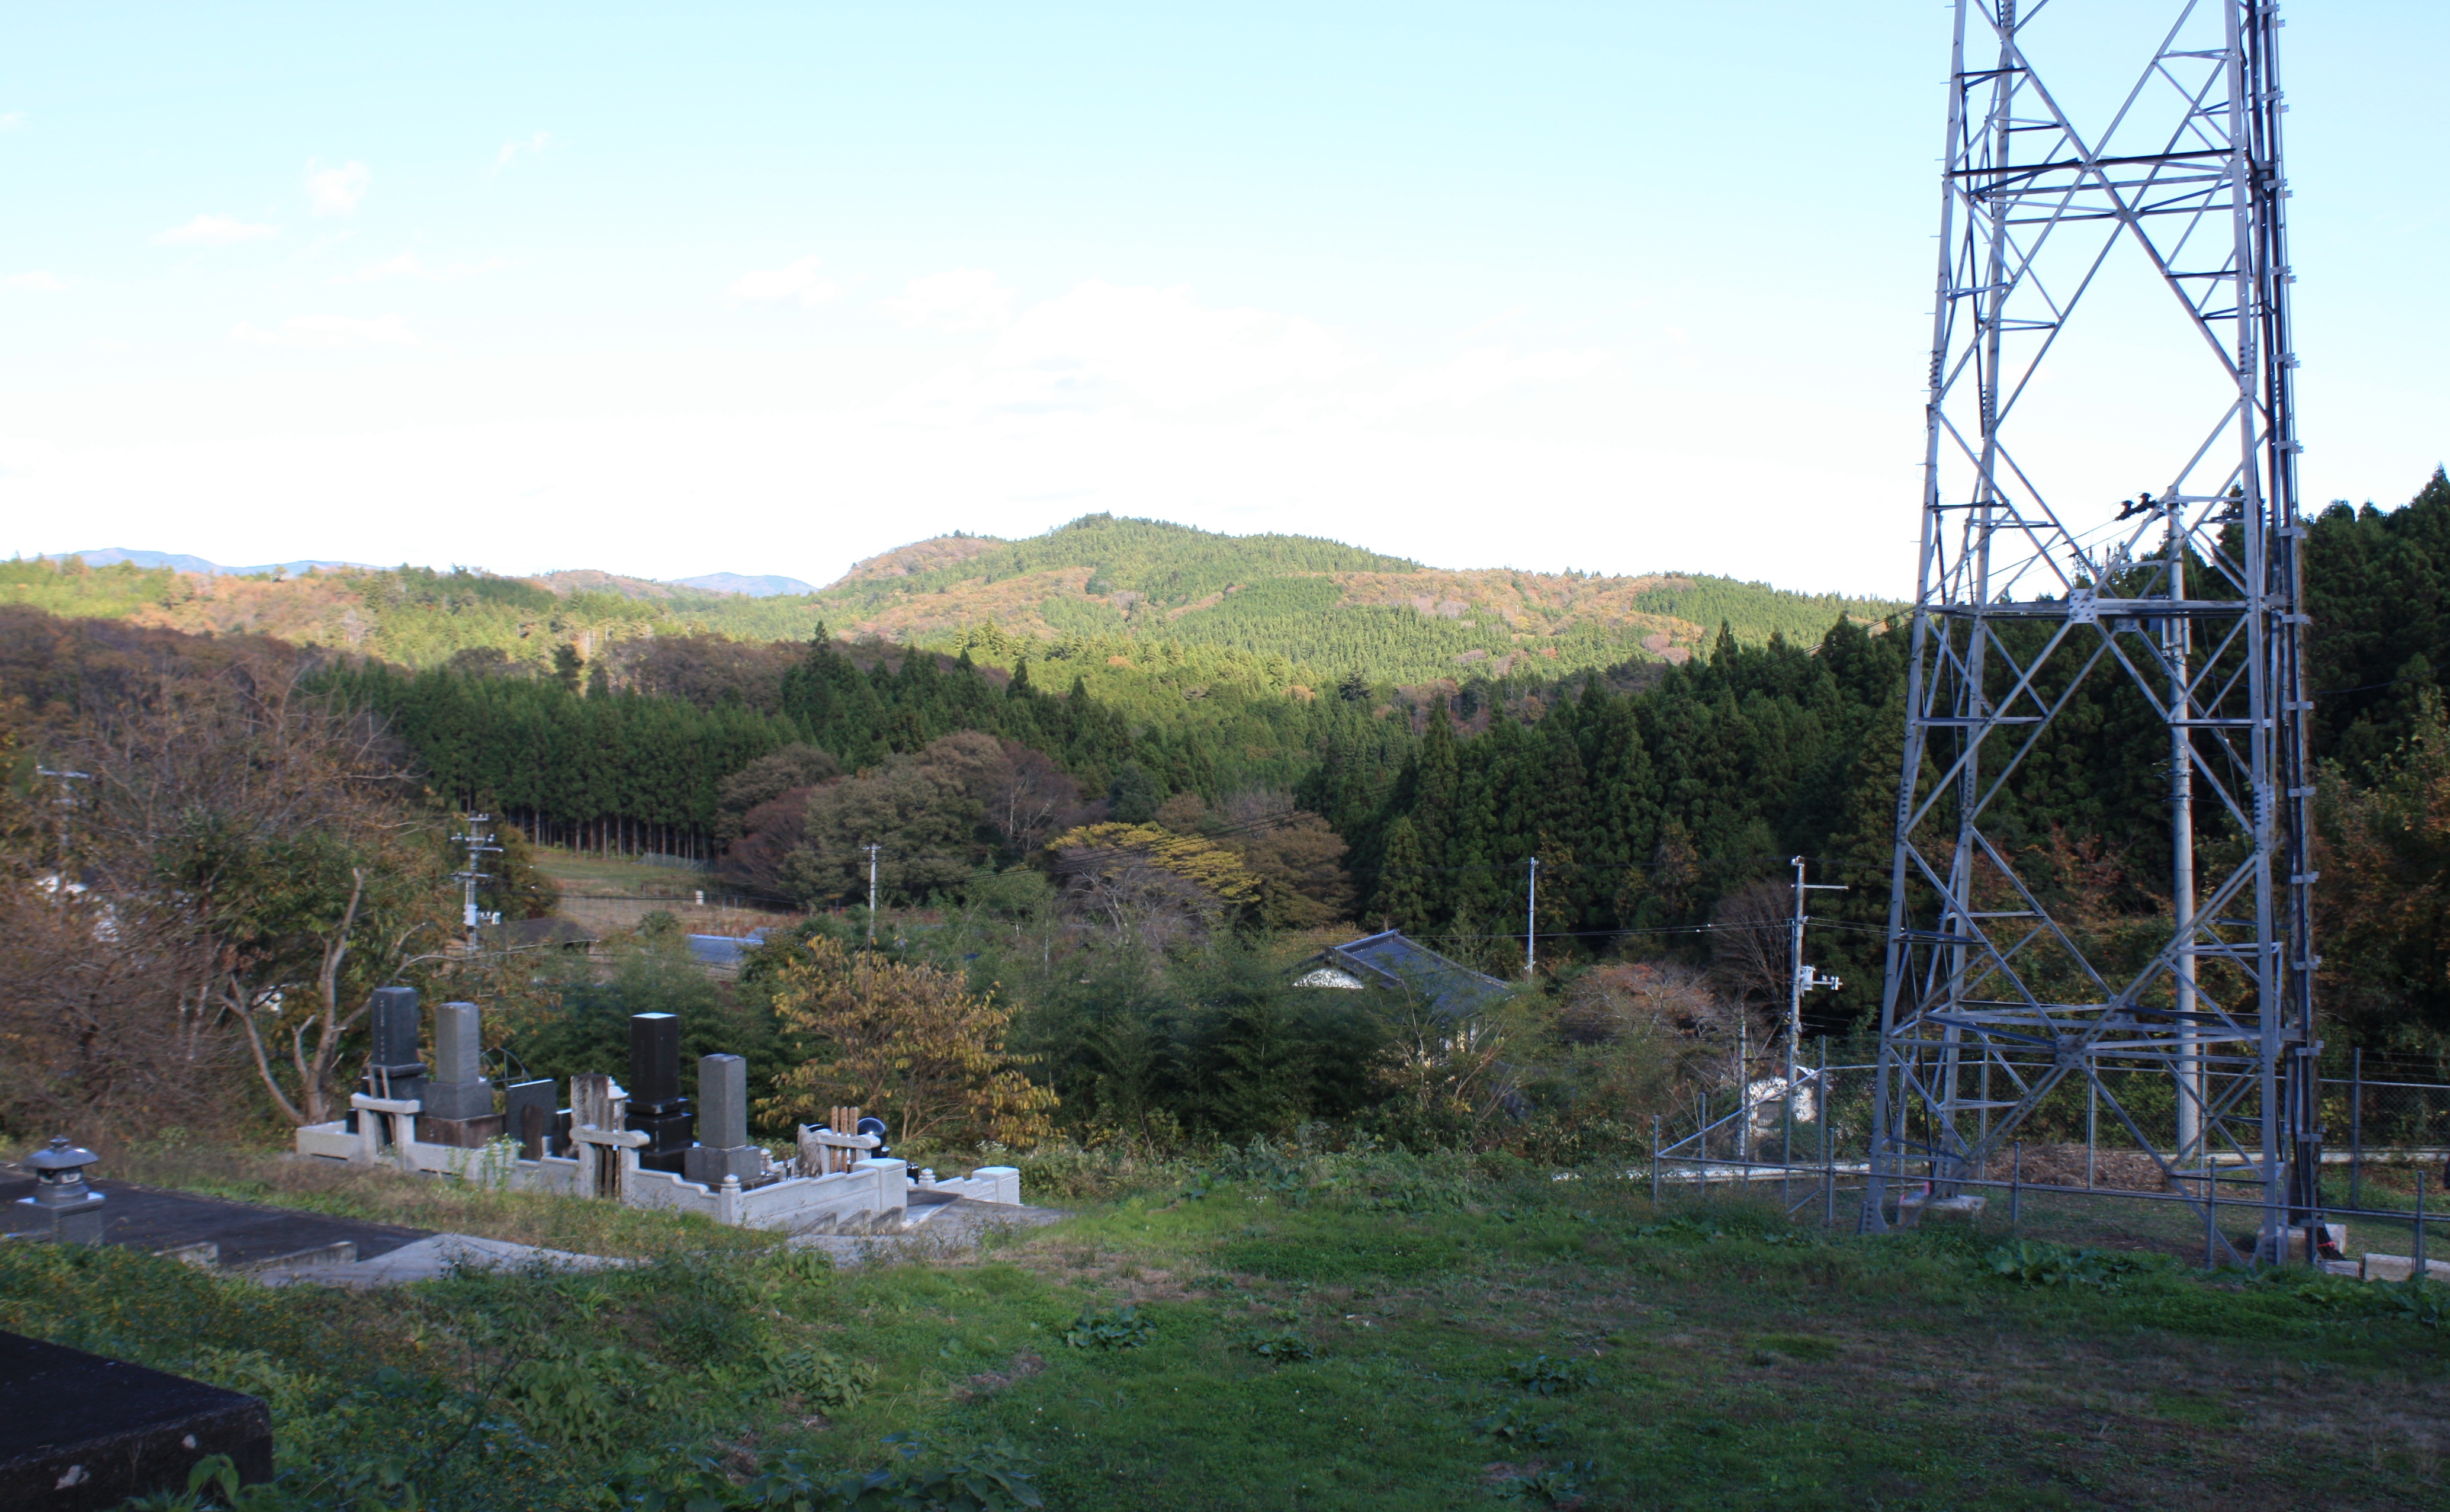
{"x": 1333, "y": 1332}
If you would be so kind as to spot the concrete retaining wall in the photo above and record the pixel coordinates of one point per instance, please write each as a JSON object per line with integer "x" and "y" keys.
{"x": 873, "y": 1195}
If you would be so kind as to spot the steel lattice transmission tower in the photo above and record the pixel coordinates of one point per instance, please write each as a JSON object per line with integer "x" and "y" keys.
{"x": 2199, "y": 1044}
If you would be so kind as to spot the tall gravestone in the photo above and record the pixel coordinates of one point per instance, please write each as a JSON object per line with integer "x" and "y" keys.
{"x": 458, "y": 1100}
{"x": 395, "y": 1067}
{"x": 396, "y": 1062}
{"x": 657, "y": 1109}
{"x": 723, "y": 1148}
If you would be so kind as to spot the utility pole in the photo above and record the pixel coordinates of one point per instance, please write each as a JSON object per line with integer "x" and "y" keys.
{"x": 871, "y": 893}
{"x": 1802, "y": 979}
{"x": 480, "y": 845}
{"x": 1532, "y": 925}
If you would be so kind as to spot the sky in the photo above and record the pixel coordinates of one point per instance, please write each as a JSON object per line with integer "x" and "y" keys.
{"x": 670, "y": 290}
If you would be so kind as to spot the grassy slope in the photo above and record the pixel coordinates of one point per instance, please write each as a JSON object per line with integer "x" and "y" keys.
{"x": 1717, "y": 1359}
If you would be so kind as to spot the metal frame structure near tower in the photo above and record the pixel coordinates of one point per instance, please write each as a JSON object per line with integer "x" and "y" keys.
{"x": 2190, "y": 597}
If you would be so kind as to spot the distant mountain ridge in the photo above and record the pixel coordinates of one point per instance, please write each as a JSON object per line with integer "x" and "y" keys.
{"x": 180, "y": 562}
{"x": 1105, "y": 598}
{"x": 765, "y": 586}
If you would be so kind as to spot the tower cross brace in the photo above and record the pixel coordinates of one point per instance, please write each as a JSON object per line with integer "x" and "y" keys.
{"x": 2000, "y": 1007}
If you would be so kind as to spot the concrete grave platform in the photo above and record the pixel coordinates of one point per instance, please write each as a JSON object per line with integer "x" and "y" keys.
{"x": 78, "y": 1431}
{"x": 939, "y": 1227}
{"x": 214, "y": 1231}
{"x": 432, "y": 1256}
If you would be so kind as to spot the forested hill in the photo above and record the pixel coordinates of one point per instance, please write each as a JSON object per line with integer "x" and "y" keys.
{"x": 1270, "y": 611}
{"x": 1101, "y": 584}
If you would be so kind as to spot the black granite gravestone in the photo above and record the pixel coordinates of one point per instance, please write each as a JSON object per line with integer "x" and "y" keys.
{"x": 80, "y": 1432}
{"x": 395, "y": 1030}
{"x": 395, "y": 1067}
{"x": 523, "y": 1101}
{"x": 657, "y": 1109}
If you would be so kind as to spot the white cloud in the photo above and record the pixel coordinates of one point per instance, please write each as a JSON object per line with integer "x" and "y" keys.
{"x": 11, "y": 121}
{"x": 215, "y": 231}
{"x": 1115, "y": 347}
{"x": 47, "y": 282}
{"x": 798, "y": 281}
{"x": 330, "y": 331}
{"x": 408, "y": 265}
{"x": 962, "y": 300}
{"x": 337, "y": 191}
{"x": 532, "y": 146}
{"x": 1478, "y": 375}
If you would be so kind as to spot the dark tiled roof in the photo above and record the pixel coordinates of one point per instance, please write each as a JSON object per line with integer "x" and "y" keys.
{"x": 1393, "y": 961}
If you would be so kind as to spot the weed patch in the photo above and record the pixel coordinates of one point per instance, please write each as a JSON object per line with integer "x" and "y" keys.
{"x": 1544, "y": 1377}
{"x": 1280, "y": 1345}
{"x": 1109, "y": 1328}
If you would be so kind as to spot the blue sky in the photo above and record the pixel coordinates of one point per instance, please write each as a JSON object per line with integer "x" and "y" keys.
{"x": 670, "y": 290}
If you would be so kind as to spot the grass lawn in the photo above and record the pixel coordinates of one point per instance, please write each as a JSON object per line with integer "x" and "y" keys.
{"x": 1321, "y": 1332}
{"x": 584, "y": 872}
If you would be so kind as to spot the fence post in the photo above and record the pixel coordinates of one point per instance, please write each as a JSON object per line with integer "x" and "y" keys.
{"x": 1702, "y": 1140}
{"x": 1822, "y": 1105}
{"x": 1787, "y": 1142}
{"x": 2211, "y": 1213}
{"x": 2016, "y": 1191}
{"x": 1654, "y": 1160}
{"x": 2357, "y": 1131}
{"x": 2091, "y": 1123}
{"x": 2420, "y": 1274}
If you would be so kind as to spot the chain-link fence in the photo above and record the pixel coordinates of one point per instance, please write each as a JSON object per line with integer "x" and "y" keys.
{"x": 2075, "y": 1170}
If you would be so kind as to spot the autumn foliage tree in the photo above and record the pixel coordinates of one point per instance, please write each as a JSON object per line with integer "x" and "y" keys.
{"x": 1150, "y": 886}
{"x": 909, "y": 1042}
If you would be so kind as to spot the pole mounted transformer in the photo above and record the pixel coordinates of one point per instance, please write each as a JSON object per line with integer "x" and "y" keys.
{"x": 1997, "y": 1013}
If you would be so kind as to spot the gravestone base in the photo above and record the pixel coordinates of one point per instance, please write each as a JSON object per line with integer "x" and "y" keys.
{"x": 81, "y": 1432}
{"x": 708, "y": 1165}
{"x": 457, "y": 1099}
{"x": 460, "y": 1133}
{"x": 668, "y": 1135}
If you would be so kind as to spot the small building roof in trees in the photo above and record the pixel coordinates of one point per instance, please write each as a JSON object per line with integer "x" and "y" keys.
{"x": 1393, "y": 961}
{"x": 725, "y": 950}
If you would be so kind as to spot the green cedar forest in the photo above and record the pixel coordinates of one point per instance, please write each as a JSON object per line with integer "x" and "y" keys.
{"x": 1652, "y": 794}
{"x": 1658, "y": 792}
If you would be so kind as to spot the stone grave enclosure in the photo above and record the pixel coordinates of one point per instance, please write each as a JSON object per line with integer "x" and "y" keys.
{"x": 648, "y": 1147}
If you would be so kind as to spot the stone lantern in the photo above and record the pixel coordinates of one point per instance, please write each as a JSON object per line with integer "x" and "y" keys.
{"x": 62, "y": 1194}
